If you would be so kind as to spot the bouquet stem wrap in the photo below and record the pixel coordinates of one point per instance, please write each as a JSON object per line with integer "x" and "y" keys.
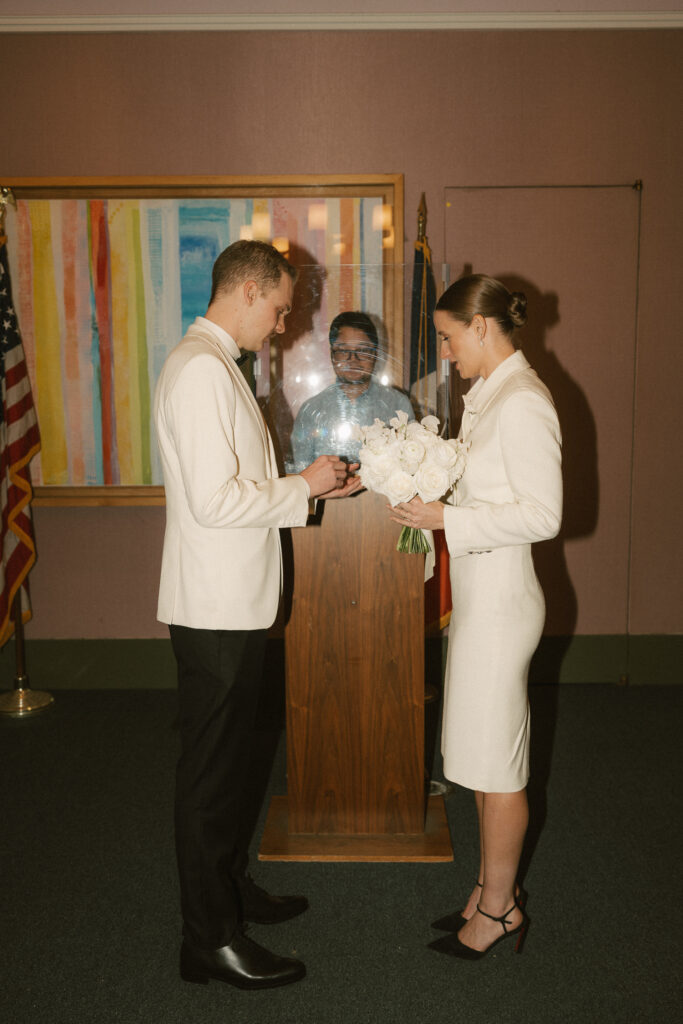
{"x": 413, "y": 542}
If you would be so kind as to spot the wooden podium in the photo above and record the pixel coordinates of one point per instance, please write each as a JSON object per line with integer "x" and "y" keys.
{"x": 354, "y": 656}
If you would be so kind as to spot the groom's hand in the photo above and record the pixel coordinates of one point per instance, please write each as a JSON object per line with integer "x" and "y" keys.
{"x": 351, "y": 485}
{"x": 328, "y": 477}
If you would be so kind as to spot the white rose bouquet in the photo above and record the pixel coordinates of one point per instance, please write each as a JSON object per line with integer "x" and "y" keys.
{"x": 408, "y": 458}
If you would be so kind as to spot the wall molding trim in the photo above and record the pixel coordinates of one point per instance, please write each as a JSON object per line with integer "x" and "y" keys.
{"x": 128, "y": 664}
{"x": 423, "y": 22}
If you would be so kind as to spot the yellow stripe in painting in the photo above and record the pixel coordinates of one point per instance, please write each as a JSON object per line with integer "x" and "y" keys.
{"x": 142, "y": 364}
{"x": 261, "y": 221}
{"x": 116, "y": 216}
{"x": 84, "y": 333}
{"x": 50, "y": 399}
{"x": 356, "y": 256}
{"x": 346, "y": 273}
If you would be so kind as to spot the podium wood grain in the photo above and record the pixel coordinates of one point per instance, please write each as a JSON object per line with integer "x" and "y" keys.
{"x": 355, "y": 676}
{"x": 434, "y": 844}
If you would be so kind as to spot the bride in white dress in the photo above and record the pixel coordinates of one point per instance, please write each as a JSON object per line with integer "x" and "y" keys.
{"x": 509, "y": 496}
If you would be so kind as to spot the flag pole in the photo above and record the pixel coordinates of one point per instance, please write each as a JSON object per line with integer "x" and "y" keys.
{"x": 431, "y": 693}
{"x": 22, "y": 700}
{"x": 423, "y": 336}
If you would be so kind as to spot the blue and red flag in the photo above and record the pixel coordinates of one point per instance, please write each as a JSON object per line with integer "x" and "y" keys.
{"x": 423, "y": 389}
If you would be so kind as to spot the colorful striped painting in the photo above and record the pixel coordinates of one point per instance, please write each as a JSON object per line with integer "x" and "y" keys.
{"x": 104, "y": 289}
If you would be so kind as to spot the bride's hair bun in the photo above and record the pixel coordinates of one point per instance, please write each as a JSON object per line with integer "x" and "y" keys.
{"x": 516, "y": 310}
{"x": 483, "y": 295}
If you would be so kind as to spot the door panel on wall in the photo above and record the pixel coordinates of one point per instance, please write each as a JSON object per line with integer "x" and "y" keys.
{"x": 574, "y": 252}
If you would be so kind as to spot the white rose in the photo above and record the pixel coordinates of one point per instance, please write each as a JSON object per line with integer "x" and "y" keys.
{"x": 429, "y": 439}
{"x": 386, "y": 464}
{"x": 411, "y": 454}
{"x": 370, "y": 478}
{"x": 458, "y": 467}
{"x": 399, "y": 487}
{"x": 431, "y": 481}
{"x": 375, "y": 469}
{"x": 416, "y": 432}
{"x": 414, "y": 429}
{"x": 431, "y": 423}
{"x": 443, "y": 454}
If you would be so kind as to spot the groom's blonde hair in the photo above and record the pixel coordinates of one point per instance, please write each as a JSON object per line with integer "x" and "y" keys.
{"x": 249, "y": 261}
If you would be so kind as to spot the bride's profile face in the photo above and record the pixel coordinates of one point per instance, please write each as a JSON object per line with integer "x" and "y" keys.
{"x": 459, "y": 344}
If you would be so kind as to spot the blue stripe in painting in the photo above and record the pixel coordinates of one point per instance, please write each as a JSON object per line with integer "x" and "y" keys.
{"x": 155, "y": 244}
{"x": 203, "y": 233}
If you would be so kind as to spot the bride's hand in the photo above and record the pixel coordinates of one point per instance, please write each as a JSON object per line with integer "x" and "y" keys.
{"x": 418, "y": 515}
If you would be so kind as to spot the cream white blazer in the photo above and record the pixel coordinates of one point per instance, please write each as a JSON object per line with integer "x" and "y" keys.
{"x": 221, "y": 564}
{"x": 511, "y": 491}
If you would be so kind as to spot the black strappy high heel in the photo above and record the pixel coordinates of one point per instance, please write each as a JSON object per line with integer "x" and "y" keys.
{"x": 454, "y": 922}
{"x": 452, "y": 946}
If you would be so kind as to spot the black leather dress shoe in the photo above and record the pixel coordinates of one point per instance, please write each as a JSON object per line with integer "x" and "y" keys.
{"x": 243, "y": 963}
{"x": 259, "y": 907}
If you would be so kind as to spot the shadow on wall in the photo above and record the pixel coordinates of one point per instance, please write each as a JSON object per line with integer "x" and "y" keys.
{"x": 579, "y": 460}
{"x": 580, "y": 515}
{"x": 307, "y": 300}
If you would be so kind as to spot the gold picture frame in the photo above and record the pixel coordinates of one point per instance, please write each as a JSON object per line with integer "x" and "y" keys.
{"x": 41, "y": 231}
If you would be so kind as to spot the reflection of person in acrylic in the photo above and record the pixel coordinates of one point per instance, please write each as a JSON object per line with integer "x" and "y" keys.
{"x": 323, "y": 424}
{"x": 510, "y": 495}
{"x": 219, "y": 592}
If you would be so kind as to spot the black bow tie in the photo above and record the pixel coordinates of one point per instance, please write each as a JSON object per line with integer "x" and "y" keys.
{"x": 242, "y": 359}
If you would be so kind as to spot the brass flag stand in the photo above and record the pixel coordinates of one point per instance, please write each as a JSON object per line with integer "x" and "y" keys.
{"x": 22, "y": 700}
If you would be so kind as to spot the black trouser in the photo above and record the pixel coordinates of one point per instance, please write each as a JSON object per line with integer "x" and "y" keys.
{"x": 219, "y": 679}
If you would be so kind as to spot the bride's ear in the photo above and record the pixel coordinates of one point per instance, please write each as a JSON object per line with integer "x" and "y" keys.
{"x": 478, "y": 325}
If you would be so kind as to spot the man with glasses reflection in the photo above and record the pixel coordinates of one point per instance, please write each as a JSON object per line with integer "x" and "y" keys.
{"x": 323, "y": 424}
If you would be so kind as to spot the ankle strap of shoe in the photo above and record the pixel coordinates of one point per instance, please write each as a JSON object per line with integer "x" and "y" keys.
{"x": 502, "y": 919}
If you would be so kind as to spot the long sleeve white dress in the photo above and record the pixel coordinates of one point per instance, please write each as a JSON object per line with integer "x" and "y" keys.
{"x": 509, "y": 496}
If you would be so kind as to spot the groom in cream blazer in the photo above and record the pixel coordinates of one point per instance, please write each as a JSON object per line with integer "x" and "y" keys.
{"x": 220, "y": 586}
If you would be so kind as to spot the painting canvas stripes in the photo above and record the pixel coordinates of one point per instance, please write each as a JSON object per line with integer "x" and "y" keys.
{"x": 104, "y": 288}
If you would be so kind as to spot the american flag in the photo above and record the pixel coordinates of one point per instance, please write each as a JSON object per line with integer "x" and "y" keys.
{"x": 19, "y": 442}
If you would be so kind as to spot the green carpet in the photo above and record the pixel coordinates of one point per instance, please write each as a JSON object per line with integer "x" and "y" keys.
{"x": 89, "y": 928}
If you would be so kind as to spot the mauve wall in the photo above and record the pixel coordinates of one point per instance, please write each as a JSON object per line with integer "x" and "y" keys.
{"x": 443, "y": 108}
